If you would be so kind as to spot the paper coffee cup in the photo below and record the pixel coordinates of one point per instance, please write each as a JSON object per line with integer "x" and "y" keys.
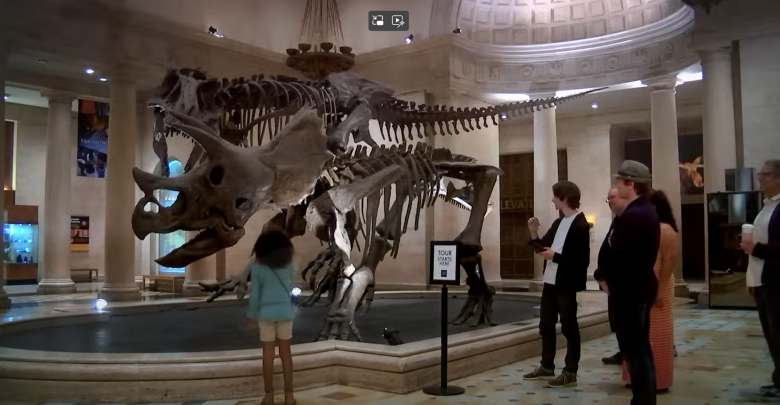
{"x": 747, "y": 232}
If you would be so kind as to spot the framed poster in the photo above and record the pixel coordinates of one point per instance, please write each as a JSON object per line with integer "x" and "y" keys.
{"x": 445, "y": 263}
{"x": 79, "y": 234}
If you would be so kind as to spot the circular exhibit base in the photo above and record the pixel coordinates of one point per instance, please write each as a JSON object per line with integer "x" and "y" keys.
{"x": 446, "y": 391}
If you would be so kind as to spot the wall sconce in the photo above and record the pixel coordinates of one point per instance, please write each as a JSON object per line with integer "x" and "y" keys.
{"x": 591, "y": 218}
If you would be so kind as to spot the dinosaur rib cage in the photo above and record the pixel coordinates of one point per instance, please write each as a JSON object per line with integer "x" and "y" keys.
{"x": 417, "y": 188}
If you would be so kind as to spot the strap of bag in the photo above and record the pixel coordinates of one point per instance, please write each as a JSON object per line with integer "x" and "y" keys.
{"x": 280, "y": 280}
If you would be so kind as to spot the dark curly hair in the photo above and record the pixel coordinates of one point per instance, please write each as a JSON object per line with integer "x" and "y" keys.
{"x": 273, "y": 249}
{"x": 568, "y": 192}
{"x": 664, "y": 209}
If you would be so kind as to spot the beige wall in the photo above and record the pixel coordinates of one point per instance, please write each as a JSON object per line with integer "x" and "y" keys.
{"x": 760, "y": 65}
{"x": 87, "y": 197}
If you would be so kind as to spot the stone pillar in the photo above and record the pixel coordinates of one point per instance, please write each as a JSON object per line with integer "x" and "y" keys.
{"x": 5, "y": 302}
{"x": 720, "y": 150}
{"x": 545, "y": 175}
{"x": 120, "y": 191}
{"x": 450, "y": 221}
{"x": 666, "y": 154}
{"x": 55, "y": 266}
{"x": 201, "y": 271}
{"x": 144, "y": 153}
{"x": 718, "y": 119}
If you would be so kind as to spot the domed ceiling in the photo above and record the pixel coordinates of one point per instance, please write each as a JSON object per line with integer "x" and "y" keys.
{"x": 529, "y": 22}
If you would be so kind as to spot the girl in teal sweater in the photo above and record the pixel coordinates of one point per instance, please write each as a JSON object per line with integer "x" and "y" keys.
{"x": 271, "y": 306}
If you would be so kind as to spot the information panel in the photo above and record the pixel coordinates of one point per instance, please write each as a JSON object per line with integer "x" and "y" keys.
{"x": 445, "y": 263}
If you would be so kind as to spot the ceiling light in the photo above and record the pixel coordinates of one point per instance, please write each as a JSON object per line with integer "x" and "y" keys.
{"x": 89, "y": 71}
{"x": 214, "y": 32}
{"x": 594, "y": 106}
{"x": 103, "y": 79}
{"x": 409, "y": 39}
{"x": 503, "y": 116}
{"x": 457, "y": 30}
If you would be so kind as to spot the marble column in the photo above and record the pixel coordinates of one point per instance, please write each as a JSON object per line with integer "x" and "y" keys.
{"x": 719, "y": 129}
{"x": 5, "y": 302}
{"x": 666, "y": 154}
{"x": 55, "y": 266}
{"x": 483, "y": 145}
{"x": 120, "y": 191}
{"x": 718, "y": 118}
{"x": 201, "y": 271}
{"x": 144, "y": 153}
{"x": 545, "y": 143}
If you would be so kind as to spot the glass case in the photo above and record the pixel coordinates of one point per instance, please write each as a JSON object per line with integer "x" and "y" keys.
{"x": 20, "y": 243}
{"x": 726, "y": 212}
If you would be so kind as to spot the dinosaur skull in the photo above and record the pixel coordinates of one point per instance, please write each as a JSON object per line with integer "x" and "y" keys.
{"x": 218, "y": 196}
{"x": 190, "y": 92}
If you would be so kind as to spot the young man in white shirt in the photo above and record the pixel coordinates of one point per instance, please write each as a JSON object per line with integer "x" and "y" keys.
{"x": 566, "y": 248}
{"x": 763, "y": 275}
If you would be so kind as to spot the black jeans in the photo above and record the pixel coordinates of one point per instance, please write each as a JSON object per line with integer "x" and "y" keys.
{"x": 564, "y": 303}
{"x": 768, "y": 302}
{"x": 632, "y": 327}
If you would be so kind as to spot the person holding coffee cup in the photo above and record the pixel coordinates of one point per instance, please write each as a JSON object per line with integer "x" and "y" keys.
{"x": 761, "y": 241}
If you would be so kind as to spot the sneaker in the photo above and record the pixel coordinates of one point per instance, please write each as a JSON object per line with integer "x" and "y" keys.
{"x": 615, "y": 359}
{"x": 539, "y": 373}
{"x": 566, "y": 379}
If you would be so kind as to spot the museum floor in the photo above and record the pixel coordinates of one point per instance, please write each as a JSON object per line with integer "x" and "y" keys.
{"x": 722, "y": 360}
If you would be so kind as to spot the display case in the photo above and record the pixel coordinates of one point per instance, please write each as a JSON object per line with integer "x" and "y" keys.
{"x": 20, "y": 242}
{"x": 726, "y": 212}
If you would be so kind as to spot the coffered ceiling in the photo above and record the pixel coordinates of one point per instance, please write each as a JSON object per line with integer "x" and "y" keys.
{"x": 526, "y": 22}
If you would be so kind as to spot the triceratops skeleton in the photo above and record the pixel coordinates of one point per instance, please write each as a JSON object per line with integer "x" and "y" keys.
{"x": 307, "y": 171}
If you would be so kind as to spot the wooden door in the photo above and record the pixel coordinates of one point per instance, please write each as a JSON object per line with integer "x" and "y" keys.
{"x": 517, "y": 206}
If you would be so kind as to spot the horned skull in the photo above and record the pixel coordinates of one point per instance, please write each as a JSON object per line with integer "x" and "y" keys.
{"x": 218, "y": 196}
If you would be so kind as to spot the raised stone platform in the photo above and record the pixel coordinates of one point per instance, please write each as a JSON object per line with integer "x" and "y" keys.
{"x": 29, "y": 375}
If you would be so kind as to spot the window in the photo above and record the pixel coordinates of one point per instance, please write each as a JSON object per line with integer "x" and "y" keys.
{"x": 167, "y": 242}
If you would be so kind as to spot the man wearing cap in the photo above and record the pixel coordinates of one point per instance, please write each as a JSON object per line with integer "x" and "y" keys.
{"x": 629, "y": 277}
{"x": 616, "y": 205}
{"x": 763, "y": 277}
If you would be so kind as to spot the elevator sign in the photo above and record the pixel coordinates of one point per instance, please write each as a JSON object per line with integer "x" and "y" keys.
{"x": 445, "y": 263}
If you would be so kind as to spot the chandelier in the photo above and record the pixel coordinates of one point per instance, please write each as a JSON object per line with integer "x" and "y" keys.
{"x": 320, "y": 34}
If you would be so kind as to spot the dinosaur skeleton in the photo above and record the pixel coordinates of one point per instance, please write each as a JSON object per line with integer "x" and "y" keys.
{"x": 306, "y": 170}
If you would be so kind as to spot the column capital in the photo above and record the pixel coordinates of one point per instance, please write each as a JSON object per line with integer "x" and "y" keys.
{"x": 715, "y": 54}
{"x": 124, "y": 73}
{"x": 59, "y": 96}
{"x": 665, "y": 82}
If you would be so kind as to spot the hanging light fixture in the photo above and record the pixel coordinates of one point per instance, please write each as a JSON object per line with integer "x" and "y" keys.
{"x": 320, "y": 33}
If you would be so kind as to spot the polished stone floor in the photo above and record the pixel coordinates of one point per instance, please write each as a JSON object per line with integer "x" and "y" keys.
{"x": 722, "y": 360}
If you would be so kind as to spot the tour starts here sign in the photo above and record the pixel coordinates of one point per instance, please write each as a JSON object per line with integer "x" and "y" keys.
{"x": 445, "y": 263}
